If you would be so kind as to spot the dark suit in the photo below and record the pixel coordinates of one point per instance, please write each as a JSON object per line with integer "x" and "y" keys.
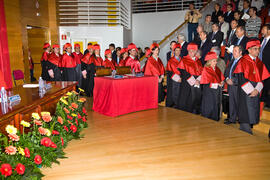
{"x": 184, "y": 50}
{"x": 232, "y": 90}
{"x": 114, "y": 56}
{"x": 205, "y": 48}
{"x": 230, "y": 39}
{"x": 265, "y": 60}
{"x": 229, "y": 18}
{"x": 241, "y": 22}
{"x": 169, "y": 55}
{"x": 216, "y": 39}
{"x": 242, "y": 43}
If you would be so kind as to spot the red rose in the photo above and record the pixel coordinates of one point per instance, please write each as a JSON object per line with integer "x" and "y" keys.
{"x": 53, "y": 145}
{"x": 6, "y": 169}
{"x": 84, "y": 110}
{"x": 84, "y": 120}
{"x": 62, "y": 140}
{"x": 76, "y": 121}
{"x": 60, "y": 120}
{"x": 69, "y": 117}
{"x": 73, "y": 128}
{"x": 66, "y": 110}
{"x": 55, "y": 132}
{"x": 38, "y": 159}
{"x": 79, "y": 116}
{"x": 26, "y": 152}
{"x": 65, "y": 127}
{"x": 46, "y": 142}
{"x": 20, "y": 168}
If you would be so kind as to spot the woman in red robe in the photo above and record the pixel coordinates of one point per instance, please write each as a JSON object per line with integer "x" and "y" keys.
{"x": 95, "y": 58}
{"x": 68, "y": 64}
{"x": 123, "y": 56}
{"x": 173, "y": 77}
{"x": 154, "y": 67}
{"x": 132, "y": 60}
{"x": 212, "y": 81}
{"x": 190, "y": 68}
{"x": 108, "y": 62}
{"x": 44, "y": 61}
{"x": 251, "y": 73}
{"x": 54, "y": 64}
{"x": 78, "y": 57}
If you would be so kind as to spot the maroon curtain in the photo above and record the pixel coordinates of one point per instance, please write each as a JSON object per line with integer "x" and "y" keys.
{"x": 4, "y": 53}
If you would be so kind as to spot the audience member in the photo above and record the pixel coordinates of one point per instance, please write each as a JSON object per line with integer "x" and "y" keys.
{"x": 253, "y": 24}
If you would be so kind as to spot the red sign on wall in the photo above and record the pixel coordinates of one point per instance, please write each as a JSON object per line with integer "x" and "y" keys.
{"x": 64, "y": 37}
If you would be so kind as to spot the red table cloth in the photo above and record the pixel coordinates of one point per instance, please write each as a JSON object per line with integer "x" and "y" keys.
{"x": 114, "y": 97}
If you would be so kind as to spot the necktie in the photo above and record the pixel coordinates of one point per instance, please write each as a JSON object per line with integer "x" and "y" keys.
{"x": 239, "y": 40}
{"x": 230, "y": 37}
{"x": 213, "y": 35}
{"x": 263, "y": 45}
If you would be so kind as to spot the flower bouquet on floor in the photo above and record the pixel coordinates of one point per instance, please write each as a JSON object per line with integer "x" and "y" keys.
{"x": 23, "y": 154}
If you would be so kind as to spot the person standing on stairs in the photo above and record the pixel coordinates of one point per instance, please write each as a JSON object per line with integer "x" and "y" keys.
{"x": 192, "y": 16}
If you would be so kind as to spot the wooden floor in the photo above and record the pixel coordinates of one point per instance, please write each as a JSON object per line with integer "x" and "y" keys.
{"x": 162, "y": 144}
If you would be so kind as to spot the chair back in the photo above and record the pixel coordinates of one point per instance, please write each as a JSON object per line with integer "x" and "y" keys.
{"x": 17, "y": 75}
{"x": 101, "y": 71}
{"x": 123, "y": 70}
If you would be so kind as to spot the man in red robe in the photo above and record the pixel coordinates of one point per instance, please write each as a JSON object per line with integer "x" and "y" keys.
{"x": 190, "y": 68}
{"x": 251, "y": 74}
{"x": 44, "y": 61}
{"x": 54, "y": 64}
{"x": 132, "y": 60}
{"x": 78, "y": 57}
{"x": 173, "y": 76}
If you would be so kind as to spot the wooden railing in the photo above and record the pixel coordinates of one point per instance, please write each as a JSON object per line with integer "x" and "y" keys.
{"x": 174, "y": 32}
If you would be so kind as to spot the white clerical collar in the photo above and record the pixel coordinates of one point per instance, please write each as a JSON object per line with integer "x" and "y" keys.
{"x": 110, "y": 59}
{"x": 253, "y": 58}
{"x": 132, "y": 57}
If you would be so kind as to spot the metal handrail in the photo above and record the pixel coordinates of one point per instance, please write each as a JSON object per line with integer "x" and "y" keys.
{"x": 177, "y": 29}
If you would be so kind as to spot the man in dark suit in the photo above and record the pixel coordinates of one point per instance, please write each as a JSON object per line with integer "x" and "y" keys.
{"x": 170, "y": 53}
{"x": 229, "y": 15}
{"x": 216, "y": 36}
{"x": 241, "y": 38}
{"x": 182, "y": 40}
{"x": 112, "y": 48}
{"x": 237, "y": 17}
{"x": 265, "y": 57}
{"x": 231, "y": 36}
{"x": 232, "y": 81}
{"x": 205, "y": 45}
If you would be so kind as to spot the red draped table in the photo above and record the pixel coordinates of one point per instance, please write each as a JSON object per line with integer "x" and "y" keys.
{"x": 114, "y": 97}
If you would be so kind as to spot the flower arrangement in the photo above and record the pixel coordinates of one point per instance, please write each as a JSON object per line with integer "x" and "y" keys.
{"x": 23, "y": 154}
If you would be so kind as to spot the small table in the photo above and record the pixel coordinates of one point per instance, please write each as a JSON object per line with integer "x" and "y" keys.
{"x": 114, "y": 97}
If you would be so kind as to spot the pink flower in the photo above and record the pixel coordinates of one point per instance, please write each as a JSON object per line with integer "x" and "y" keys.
{"x": 74, "y": 105}
{"x": 42, "y": 131}
{"x": 37, "y": 122}
{"x": 46, "y": 117}
{"x": 11, "y": 150}
{"x": 14, "y": 137}
{"x": 66, "y": 110}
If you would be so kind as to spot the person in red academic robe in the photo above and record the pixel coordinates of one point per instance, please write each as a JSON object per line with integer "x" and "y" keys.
{"x": 2, "y": 81}
{"x": 173, "y": 77}
{"x": 88, "y": 74}
{"x": 95, "y": 58}
{"x": 154, "y": 67}
{"x": 132, "y": 60}
{"x": 44, "y": 61}
{"x": 123, "y": 56}
{"x": 212, "y": 81}
{"x": 190, "y": 68}
{"x": 68, "y": 64}
{"x": 108, "y": 62}
{"x": 54, "y": 64}
{"x": 251, "y": 73}
{"x": 77, "y": 57}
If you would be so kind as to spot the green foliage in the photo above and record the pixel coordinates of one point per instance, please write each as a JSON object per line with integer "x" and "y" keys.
{"x": 70, "y": 109}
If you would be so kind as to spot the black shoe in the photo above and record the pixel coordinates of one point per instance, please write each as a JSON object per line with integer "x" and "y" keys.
{"x": 229, "y": 122}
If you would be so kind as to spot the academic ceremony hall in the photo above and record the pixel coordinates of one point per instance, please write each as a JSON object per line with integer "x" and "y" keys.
{"x": 135, "y": 89}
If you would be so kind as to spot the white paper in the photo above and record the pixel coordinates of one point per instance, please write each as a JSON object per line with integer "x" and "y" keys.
{"x": 176, "y": 77}
{"x": 230, "y": 49}
{"x": 191, "y": 80}
{"x": 247, "y": 88}
{"x": 245, "y": 16}
{"x": 31, "y": 85}
{"x": 214, "y": 85}
{"x": 259, "y": 86}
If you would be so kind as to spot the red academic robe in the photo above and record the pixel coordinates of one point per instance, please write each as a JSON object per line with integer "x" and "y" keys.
{"x": 212, "y": 92}
{"x": 68, "y": 66}
{"x": 173, "y": 87}
{"x": 54, "y": 63}
{"x": 190, "y": 96}
{"x": 96, "y": 60}
{"x": 134, "y": 64}
{"x": 154, "y": 67}
{"x": 2, "y": 81}
{"x": 77, "y": 57}
{"x": 122, "y": 62}
{"x": 109, "y": 64}
{"x": 250, "y": 72}
{"x": 44, "y": 65}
